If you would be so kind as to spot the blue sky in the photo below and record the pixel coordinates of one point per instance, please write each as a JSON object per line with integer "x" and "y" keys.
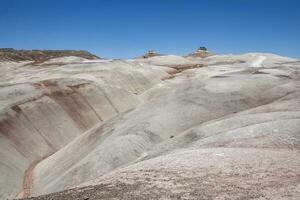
{"x": 128, "y": 28}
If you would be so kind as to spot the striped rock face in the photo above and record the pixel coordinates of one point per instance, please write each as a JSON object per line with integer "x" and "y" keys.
{"x": 164, "y": 127}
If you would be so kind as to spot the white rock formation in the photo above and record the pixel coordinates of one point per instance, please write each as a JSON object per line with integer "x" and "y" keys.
{"x": 178, "y": 125}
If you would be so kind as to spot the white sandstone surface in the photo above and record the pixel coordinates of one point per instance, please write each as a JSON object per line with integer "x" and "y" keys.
{"x": 177, "y": 125}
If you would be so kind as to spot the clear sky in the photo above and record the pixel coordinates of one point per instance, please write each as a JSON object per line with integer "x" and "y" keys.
{"x": 128, "y": 28}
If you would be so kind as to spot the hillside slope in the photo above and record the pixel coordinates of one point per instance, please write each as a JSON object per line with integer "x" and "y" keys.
{"x": 164, "y": 127}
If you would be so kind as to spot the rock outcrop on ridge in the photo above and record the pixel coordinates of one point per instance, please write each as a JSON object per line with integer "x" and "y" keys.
{"x": 201, "y": 52}
{"x": 149, "y": 54}
{"x": 163, "y": 127}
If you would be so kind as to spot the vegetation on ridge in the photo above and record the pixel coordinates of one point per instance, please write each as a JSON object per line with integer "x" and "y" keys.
{"x": 10, "y": 54}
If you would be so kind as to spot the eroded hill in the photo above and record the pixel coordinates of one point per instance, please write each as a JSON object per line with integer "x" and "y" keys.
{"x": 164, "y": 127}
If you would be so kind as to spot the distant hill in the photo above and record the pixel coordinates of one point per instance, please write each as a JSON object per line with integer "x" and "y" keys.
{"x": 10, "y": 54}
{"x": 149, "y": 54}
